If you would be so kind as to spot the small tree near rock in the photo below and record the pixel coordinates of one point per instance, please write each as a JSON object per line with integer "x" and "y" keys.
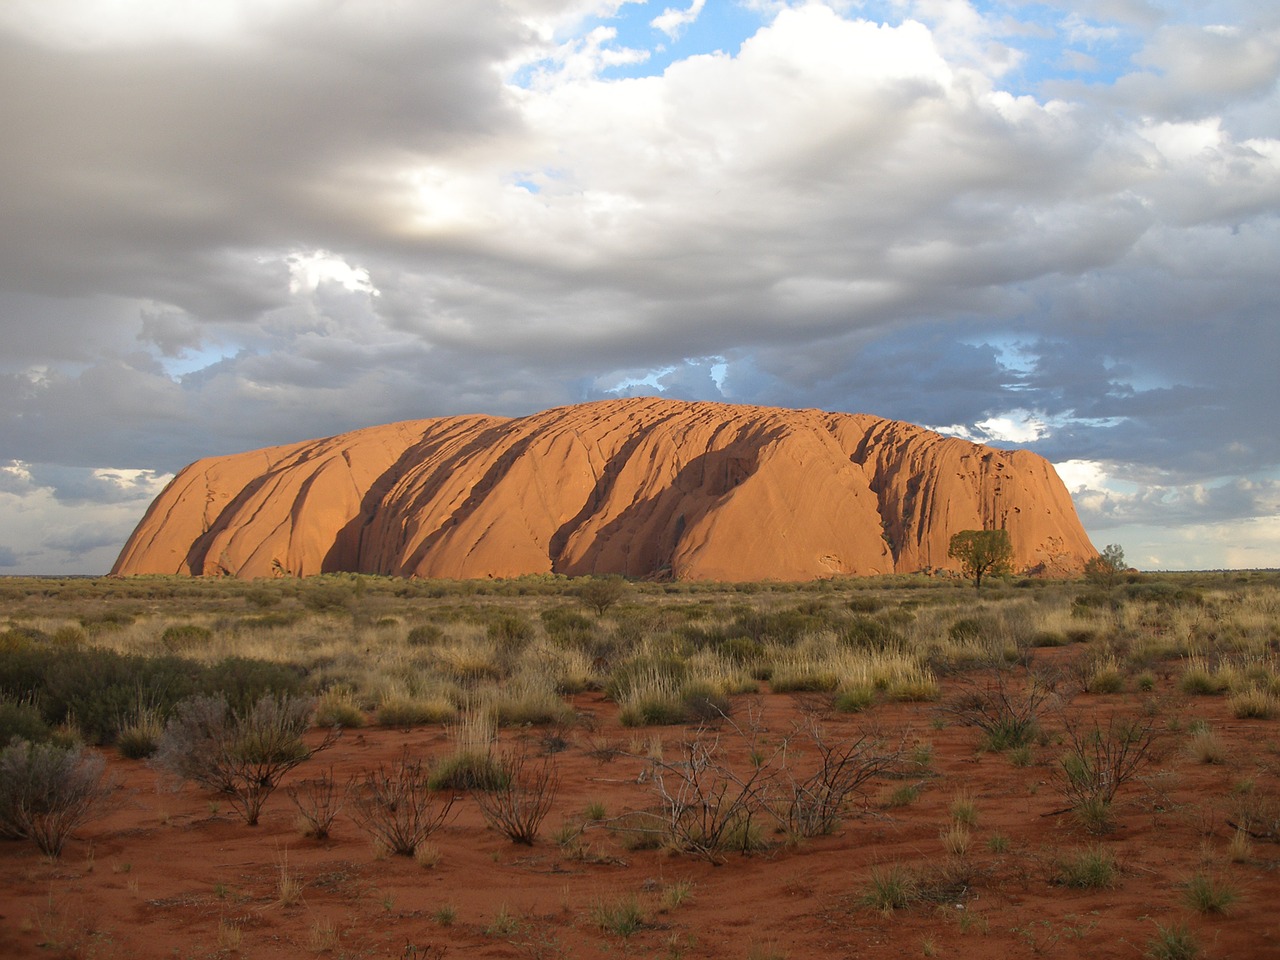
{"x": 601, "y": 593}
{"x": 982, "y": 553}
{"x": 1106, "y": 569}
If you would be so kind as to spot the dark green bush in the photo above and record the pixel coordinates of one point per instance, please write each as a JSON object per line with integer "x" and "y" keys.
{"x": 107, "y": 620}
{"x": 22, "y": 719}
{"x": 510, "y": 631}
{"x": 425, "y": 635}
{"x": 185, "y": 636}
{"x": 244, "y": 681}
{"x": 868, "y": 633}
{"x": 865, "y": 604}
{"x": 561, "y": 621}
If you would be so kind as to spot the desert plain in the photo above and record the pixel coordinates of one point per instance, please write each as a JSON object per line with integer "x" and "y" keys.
{"x": 1043, "y": 768}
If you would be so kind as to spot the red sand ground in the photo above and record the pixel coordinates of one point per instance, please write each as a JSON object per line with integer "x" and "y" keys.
{"x": 167, "y": 868}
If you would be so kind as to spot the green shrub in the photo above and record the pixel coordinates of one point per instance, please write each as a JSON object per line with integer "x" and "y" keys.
{"x": 425, "y": 635}
{"x": 244, "y": 681}
{"x": 47, "y": 791}
{"x": 511, "y": 631}
{"x": 869, "y": 634}
{"x": 241, "y": 753}
{"x": 565, "y": 622}
{"x": 21, "y": 719}
{"x": 186, "y": 636}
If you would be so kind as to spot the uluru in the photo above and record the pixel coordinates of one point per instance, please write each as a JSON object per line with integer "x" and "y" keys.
{"x": 643, "y": 487}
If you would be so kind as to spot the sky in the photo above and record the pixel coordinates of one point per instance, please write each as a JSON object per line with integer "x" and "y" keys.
{"x": 1048, "y": 225}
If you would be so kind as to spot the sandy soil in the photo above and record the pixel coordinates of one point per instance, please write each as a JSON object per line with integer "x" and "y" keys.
{"x": 170, "y": 872}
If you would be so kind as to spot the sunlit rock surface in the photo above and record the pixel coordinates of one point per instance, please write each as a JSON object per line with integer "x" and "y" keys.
{"x": 643, "y": 487}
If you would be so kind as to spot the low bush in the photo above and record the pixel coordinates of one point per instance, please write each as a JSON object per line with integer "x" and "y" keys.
{"x": 319, "y": 801}
{"x": 47, "y": 791}
{"x": 517, "y": 805}
{"x": 243, "y": 754}
{"x": 21, "y": 719}
{"x": 186, "y": 636}
{"x": 398, "y": 807}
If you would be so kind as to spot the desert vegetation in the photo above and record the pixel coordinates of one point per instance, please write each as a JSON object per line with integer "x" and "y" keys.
{"x": 549, "y": 767}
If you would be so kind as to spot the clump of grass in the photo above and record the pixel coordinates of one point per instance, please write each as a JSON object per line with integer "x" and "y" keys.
{"x": 503, "y": 924}
{"x": 323, "y": 936}
{"x": 676, "y": 894}
{"x": 230, "y": 936}
{"x": 404, "y": 711}
{"x": 998, "y": 843}
{"x": 1199, "y": 679}
{"x": 1240, "y": 847}
{"x": 472, "y": 765}
{"x": 530, "y": 699}
{"x": 1210, "y": 894}
{"x": 891, "y": 888}
{"x": 1254, "y": 703}
{"x": 1022, "y": 756}
{"x": 854, "y": 698}
{"x": 1205, "y": 746}
{"x": 904, "y": 796}
{"x": 964, "y": 810}
{"x": 1173, "y": 943}
{"x": 337, "y": 708}
{"x": 622, "y": 916}
{"x": 426, "y": 855}
{"x": 1093, "y": 868}
{"x": 1107, "y": 676}
{"x": 140, "y": 737}
{"x": 956, "y": 840}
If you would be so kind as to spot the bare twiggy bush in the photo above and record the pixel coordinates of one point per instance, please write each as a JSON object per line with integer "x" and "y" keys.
{"x": 523, "y": 799}
{"x": 1098, "y": 762}
{"x": 706, "y": 806}
{"x": 397, "y": 807}
{"x": 319, "y": 801}
{"x": 243, "y": 755}
{"x": 818, "y": 800}
{"x": 47, "y": 791}
{"x": 1005, "y": 710}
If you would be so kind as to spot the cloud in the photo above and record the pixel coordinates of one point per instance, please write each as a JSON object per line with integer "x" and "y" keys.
{"x": 259, "y": 222}
{"x": 673, "y": 20}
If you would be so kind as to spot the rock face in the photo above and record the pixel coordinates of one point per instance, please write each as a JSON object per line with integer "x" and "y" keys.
{"x": 644, "y": 487}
